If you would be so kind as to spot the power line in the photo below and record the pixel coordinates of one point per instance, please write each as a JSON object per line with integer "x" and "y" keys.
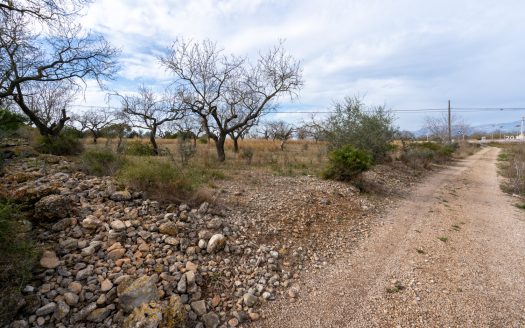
{"x": 406, "y": 111}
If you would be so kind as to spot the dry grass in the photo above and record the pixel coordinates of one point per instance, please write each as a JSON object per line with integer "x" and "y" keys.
{"x": 511, "y": 164}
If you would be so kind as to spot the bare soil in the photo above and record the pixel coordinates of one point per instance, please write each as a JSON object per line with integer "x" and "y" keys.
{"x": 450, "y": 254}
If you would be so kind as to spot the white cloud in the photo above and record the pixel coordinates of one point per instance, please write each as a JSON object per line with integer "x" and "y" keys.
{"x": 404, "y": 53}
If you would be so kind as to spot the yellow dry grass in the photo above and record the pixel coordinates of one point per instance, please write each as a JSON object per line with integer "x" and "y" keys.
{"x": 300, "y": 157}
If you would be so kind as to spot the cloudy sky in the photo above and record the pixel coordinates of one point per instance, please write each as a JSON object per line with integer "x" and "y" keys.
{"x": 405, "y": 54}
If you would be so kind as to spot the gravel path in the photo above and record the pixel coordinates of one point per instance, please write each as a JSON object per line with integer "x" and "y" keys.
{"x": 451, "y": 255}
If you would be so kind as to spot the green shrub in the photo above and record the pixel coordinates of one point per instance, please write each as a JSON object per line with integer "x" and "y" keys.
{"x": 17, "y": 257}
{"x": 368, "y": 128}
{"x": 63, "y": 145}
{"x": 416, "y": 157}
{"x": 346, "y": 163}
{"x": 203, "y": 140}
{"x": 162, "y": 180}
{"x": 137, "y": 148}
{"x": 10, "y": 122}
{"x": 100, "y": 162}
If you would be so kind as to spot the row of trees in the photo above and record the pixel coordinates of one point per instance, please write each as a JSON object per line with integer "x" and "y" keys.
{"x": 46, "y": 58}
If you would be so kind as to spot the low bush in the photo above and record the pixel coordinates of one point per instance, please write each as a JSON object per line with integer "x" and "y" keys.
{"x": 247, "y": 155}
{"x": 422, "y": 155}
{"x": 346, "y": 163}
{"x": 512, "y": 166}
{"x": 137, "y": 148}
{"x": 63, "y": 145}
{"x": 17, "y": 257}
{"x": 100, "y": 162}
{"x": 415, "y": 157}
{"x": 162, "y": 180}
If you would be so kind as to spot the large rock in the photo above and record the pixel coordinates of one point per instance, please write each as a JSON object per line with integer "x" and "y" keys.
{"x": 52, "y": 207}
{"x": 46, "y": 309}
{"x": 140, "y": 291}
{"x": 121, "y": 196}
{"x": 168, "y": 228}
{"x": 147, "y": 315}
{"x": 154, "y": 314}
{"x": 216, "y": 243}
{"x": 49, "y": 260}
{"x": 211, "y": 320}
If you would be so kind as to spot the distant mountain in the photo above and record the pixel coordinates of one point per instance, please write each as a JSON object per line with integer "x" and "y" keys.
{"x": 509, "y": 127}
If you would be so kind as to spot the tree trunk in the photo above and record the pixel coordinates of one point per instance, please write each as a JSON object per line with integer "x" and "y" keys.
{"x": 152, "y": 135}
{"x": 95, "y": 137}
{"x": 219, "y": 144}
{"x": 195, "y": 141}
{"x": 282, "y": 144}
{"x": 236, "y": 145}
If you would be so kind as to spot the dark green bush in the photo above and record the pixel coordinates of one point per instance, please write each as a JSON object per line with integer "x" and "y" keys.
{"x": 346, "y": 163}
{"x": 364, "y": 127}
{"x": 100, "y": 162}
{"x": 203, "y": 140}
{"x": 137, "y": 148}
{"x": 63, "y": 145}
{"x": 10, "y": 122}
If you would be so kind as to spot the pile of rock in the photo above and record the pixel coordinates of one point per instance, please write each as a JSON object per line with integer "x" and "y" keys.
{"x": 113, "y": 259}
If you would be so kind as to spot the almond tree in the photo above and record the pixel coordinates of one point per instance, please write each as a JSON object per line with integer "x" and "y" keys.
{"x": 95, "y": 121}
{"x": 149, "y": 111}
{"x": 229, "y": 92}
{"x": 40, "y": 43}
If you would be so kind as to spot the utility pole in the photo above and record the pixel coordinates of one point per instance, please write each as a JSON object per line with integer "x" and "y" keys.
{"x": 449, "y": 124}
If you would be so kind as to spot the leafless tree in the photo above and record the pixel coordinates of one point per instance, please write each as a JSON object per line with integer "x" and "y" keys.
{"x": 40, "y": 43}
{"x": 314, "y": 128}
{"x": 95, "y": 121}
{"x": 280, "y": 130}
{"x": 229, "y": 92}
{"x": 45, "y": 11}
{"x": 49, "y": 102}
{"x": 437, "y": 127}
{"x": 240, "y": 133}
{"x": 149, "y": 111}
{"x": 189, "y": 125}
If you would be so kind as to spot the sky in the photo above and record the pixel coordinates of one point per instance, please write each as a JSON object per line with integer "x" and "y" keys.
{"x": 404, "y": 54}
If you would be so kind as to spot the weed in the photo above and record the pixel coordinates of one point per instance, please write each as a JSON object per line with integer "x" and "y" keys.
{"x": 456, "y": 227}
{"x": 443, "y": 239}
{"x": 100, "y": 162}
{"x": 62, "y": 145}
{"x": 521, "y": 206}
{"x": 396, "y": 288}
{"x": 138, "y": 148}
{"x": 420, "y": 251}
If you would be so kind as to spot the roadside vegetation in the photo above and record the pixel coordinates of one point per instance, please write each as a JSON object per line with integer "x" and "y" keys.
{"x": 511, "y": 165}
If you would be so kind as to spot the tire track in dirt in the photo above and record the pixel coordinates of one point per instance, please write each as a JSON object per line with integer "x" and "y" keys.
{"x": 452, "y": 254}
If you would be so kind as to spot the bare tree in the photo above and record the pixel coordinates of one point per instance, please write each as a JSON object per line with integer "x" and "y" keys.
{"x": 49, "y": 102}
{"x": 189, "y": 125}
{"x": 95, "y": 121}
{"x": 149, "y": 111}
{"x": 314, "y": 128}
{"x": 437, "y": 127}
{"x": 229, "y": 92}
{"x": 280, "y": 130}
{"x": 240, "y": 133}
{"x": 41, "y": 44}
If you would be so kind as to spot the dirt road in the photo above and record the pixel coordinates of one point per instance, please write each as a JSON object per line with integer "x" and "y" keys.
{"x": 450, "y": 255}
